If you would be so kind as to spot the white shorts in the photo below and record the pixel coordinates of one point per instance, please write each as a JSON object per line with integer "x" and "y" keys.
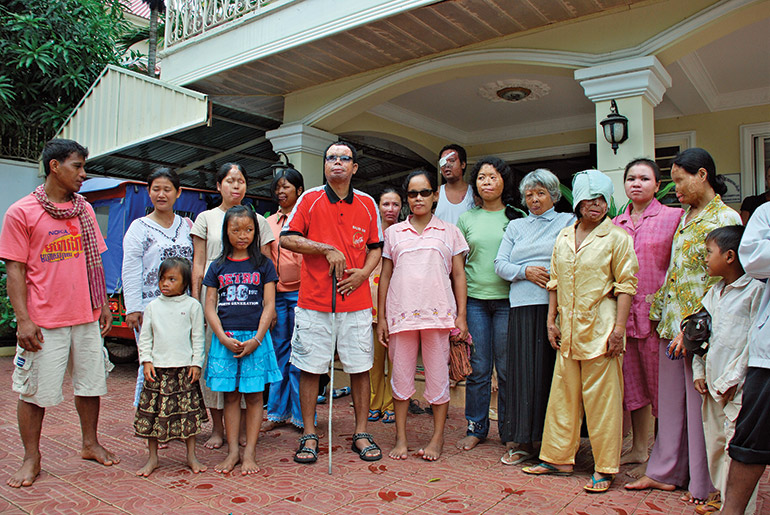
{"x": 311, "y": 345}
{"x": 38, "y": 376}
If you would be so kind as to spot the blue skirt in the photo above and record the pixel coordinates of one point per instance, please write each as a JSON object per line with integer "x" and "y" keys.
{"x": 249, "y": 374}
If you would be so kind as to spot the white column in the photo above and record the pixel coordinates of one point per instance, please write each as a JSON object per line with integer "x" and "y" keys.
{"x": 637, "y": 85}
{"x": 304, "y": 145}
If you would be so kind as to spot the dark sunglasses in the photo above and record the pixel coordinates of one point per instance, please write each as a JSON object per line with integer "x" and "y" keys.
{"x": 422, "y": 193}
{"x": 344, "y": 159}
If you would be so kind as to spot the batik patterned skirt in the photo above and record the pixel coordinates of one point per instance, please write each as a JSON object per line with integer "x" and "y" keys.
{"x": 170, "y": 408}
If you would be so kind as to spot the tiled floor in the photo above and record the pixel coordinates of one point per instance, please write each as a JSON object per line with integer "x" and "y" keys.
{"x": 460, "y": 482}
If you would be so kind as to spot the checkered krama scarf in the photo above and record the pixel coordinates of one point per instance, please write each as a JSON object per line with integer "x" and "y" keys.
{"x": 96, "y": 282}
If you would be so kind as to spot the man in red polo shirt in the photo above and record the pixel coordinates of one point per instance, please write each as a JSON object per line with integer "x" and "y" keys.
{"x": 337, "y": 229}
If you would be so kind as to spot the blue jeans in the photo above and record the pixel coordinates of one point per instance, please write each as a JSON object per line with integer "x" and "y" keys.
{"x": 283, "y": 400}
{"x": 488, "y": 325}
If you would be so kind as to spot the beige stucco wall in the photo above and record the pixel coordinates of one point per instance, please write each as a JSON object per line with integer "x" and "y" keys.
{"x": 606, "y": 32}
{"x": 718, "y": 132}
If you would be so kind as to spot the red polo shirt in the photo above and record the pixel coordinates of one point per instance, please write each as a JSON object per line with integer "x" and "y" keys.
{"x": 351, "y": 225}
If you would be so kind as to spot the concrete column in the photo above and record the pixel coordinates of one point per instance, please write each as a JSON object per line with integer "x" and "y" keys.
{"x": 637, "y": 86}
{"x": 304, "y": 145}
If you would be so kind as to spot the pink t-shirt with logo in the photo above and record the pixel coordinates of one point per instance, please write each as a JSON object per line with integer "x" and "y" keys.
{"x": 57, "y": 280}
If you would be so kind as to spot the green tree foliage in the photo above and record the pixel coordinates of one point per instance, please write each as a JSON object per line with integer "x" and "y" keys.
{"x": 50, "y": 53}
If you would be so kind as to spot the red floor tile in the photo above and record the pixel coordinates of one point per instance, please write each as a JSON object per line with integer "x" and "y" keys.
{"x": 459, "y": 482}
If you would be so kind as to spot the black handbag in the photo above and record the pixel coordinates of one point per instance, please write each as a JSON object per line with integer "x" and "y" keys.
{"x": 696, "y": 329}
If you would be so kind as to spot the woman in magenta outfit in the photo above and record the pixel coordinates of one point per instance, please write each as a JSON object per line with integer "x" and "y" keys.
{"x": 652, "y": 226}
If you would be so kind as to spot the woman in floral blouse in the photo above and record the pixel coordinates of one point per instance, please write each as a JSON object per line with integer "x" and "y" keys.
{"x": 679, "y": 455}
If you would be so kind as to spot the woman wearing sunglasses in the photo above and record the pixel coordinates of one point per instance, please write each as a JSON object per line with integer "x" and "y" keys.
{"x": 483, "y": 228}
{"x": 422, "y": 298}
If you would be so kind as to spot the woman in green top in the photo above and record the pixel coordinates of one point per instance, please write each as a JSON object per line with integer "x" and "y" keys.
{"x": 483, "y": 228}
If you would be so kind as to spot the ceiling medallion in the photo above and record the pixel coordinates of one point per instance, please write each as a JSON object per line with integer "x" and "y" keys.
{"x": 514, "y": 90}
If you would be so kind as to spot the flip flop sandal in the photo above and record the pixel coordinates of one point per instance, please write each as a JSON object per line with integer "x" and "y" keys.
{"x": 514, "y": 457}
{"x": 374, "y": 415}
{"x": 389, "y": 417}
{"x": 550, "y": 470}
{"x": 362, "y": 452}
{"x": 303, "y": 448}
{"x": 689, "y": 499}
{"x": 709, "y": 507}
{"x": 414, "y": 407}
{"x": 341, "y": 392}
{"x": 598, "y": 490}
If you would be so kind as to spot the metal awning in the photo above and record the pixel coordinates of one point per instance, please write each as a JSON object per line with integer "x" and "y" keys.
{"x": 132, "y": 124}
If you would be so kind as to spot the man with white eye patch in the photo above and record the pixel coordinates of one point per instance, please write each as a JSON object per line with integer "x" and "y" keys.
{"x": 455, "y": 195}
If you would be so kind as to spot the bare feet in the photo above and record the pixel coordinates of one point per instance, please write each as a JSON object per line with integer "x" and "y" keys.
{"x": 195, "y": 465}
{"x": 633, "y": 457}
{"x": 638, "y": 471}
{"x": 215, "y": 441}
{"x": 152, "y": 464}
{"x": 229, "y": 463}
{"x": 249, "y": 465}
{"x": 242, "y": 440}
{"x": 432, "y": 451}
{"x": 645, "y": 482}
{"x": 27, "y": 474}
{"x": 269, "y": 425}
{"x": 468, "y": 443}
{"x": 99, "y": 454}
{"x": 399, "y": 452}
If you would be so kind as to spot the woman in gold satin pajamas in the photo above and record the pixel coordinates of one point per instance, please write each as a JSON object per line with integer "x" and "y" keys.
{"x": 592, "y": 283}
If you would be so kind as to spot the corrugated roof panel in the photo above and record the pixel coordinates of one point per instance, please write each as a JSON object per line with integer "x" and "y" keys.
{"x": 123, "y": 108}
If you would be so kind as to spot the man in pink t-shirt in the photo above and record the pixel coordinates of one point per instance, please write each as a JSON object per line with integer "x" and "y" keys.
{"x": 51, "y": 245}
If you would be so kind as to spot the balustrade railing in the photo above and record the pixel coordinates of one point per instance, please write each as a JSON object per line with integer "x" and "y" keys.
{"x": 188, "y": 18}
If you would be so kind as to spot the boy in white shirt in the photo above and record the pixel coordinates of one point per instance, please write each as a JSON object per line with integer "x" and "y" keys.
{"x": 718, "y": 375}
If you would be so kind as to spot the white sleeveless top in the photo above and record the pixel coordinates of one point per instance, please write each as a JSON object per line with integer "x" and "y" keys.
{"x": 449, "y": 212}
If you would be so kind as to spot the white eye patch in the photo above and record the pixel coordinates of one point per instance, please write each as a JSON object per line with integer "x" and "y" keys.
{"x": 443, "y": 161}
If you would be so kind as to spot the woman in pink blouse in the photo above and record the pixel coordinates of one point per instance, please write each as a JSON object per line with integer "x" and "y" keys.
{"x": 652, "y": 226}
{"x": 422, "y": 297}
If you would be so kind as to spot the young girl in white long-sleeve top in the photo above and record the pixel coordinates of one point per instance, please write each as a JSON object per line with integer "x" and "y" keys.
{"x": 171, "y": 353}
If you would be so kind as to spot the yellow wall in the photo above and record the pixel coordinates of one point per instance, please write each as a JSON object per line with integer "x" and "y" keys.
{"x": 621, "y": 28}
{"x": 718, "y": 132}
{"x": 547, "y": 141}
{"x": 612, "y": 30}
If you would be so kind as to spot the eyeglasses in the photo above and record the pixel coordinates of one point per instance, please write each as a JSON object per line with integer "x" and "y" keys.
{"x": 422, "y": 193}
{"x": 344, "y": 159}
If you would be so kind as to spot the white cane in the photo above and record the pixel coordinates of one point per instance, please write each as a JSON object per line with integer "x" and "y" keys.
{"x": 331, "y": 376}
